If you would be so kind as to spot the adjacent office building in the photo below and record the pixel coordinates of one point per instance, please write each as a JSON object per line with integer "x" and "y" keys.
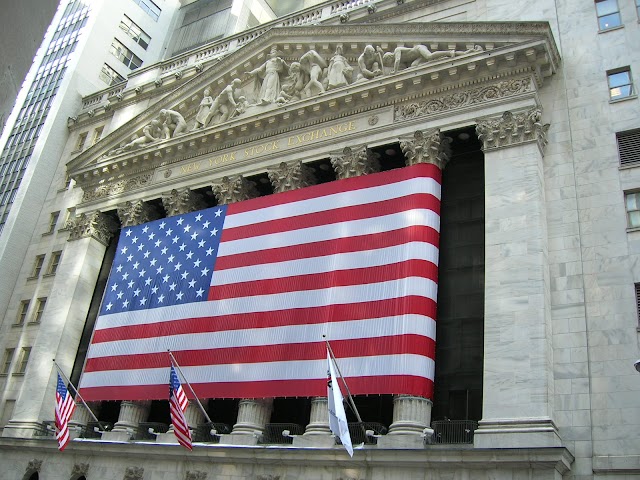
{"x": 138, "y": 113}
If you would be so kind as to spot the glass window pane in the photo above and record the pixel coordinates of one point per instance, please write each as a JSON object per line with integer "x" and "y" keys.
{"x": 618, "y": 79}
{"x": 632, "y": 202}
{"x": 606, "y": 7}
{"x": 610, "y": 21}
{"x": 634, "y": 219}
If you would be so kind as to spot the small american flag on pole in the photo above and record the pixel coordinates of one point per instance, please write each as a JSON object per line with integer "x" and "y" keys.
{"x": 177, "y": 405}
{"x": 65, "y": 406}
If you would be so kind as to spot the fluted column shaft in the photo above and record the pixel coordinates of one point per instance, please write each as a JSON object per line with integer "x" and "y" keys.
{"x": 319, "y": 417}
{"x": 253, "y": 415}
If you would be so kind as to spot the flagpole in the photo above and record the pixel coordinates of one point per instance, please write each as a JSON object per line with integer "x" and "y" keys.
{"x": 204, "y": 412}
{"x": 352, "y": 404}
{"x": 66, "y": 379}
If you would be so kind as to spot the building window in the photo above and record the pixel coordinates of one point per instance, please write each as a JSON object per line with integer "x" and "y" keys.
{"x": 24, "y": 359}
{"x": 22, "y": 312}
{"x": 150, "y": 8}
{"x": 53, "y": 220}
{"x": 37, "y": 266}
{"x": 81, "y": 139}
{"x": 134, "y": 31}
{"x": 109, "y": 76}
{"x": 97, "y": 135}
{"x": 632, "y": 202}
{"x": 629, "y": 146}
{"x": 6, "y": 361}
{"x": 620, "y": 84}
{"x": 125, "y": 55}
{"x": 54, "y": 262}
{"x": 37, "y": 314}
{"x": 608, "y": 14}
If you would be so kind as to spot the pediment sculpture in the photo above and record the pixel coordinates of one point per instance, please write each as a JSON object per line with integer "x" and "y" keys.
{"x": 277, "y": 82}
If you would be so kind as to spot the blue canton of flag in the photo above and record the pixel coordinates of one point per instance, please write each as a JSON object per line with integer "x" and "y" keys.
{"x": 164, "y": 262}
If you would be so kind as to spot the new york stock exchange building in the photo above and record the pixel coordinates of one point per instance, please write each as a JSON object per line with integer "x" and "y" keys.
{"x": 396, "y": 188}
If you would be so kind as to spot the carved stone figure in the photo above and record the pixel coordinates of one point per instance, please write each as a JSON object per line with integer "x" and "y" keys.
{"x": 292, "y": 85}
{"x": 339, "y": 73}
{"x": 150, "y": 133}
{"x": 225, "y": 105}
{"x": 419, "y": 54}
{"x": 203, "y": 110}
{"x": 173, "y": 123}
{"x": 370, "y": 63}
{"x": 271, "y": 72}
{"x": 313, "y": 64}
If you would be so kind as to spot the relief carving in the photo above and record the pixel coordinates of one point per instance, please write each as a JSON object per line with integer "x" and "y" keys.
{"x": 109, "y": 189}
{"x": 291, "y": 176}
{"x": 405, "y": 57}
{"x": 195, "y": 475}
{"x": 95, "y": 225}
{"x": 133, "y": 473}
{"x": 512, "y": 129}
{"x": 234, "y": 189}
{"x": 34, "y": 465}
{"x": 355, "y": 162}
{"x": 80, "y": 470}
{"x": 271, "y": 72}
{"x": 462, "y": 98}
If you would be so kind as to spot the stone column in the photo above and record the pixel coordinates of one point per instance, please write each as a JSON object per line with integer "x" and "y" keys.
{"x": 412, "y": 414}
{"x": 518, "y": 366}
{"x": 353, "y": 162}
{"x": 81, "y": 417}
{"x": 253, "y": 414}
{"x": 63, "y": 321}
{"x": 131, "y": 413}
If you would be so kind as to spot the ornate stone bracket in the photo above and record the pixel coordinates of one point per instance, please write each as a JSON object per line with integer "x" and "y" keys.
{"x": 133, "y": 473}
{"x": 512, "y": 129}
{"x": 430, "y": 146}
{"x": 94, "y": 225}
{"x": 291, "y": 176}
{"x": 136, "y": 212}
{"x": 79, "y": 470}
{"x": 234, "y": 189}
{"x": 195, "y": 475}
{"x": 355, "y": 162}
{"x": 34, "y": 465}
{"x": 182, "y": 201}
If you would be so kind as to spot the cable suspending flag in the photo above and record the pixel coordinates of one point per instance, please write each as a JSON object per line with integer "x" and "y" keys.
{"x": 242, "y": 294}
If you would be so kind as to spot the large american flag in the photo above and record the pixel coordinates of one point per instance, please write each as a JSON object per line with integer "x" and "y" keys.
{"x": 243, "y": 294}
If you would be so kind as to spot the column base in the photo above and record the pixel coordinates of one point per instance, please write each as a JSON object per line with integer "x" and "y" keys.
{"x": 314, "y": 441}
{"x": 117, "y": 436}
{"x": 167, "y": 438}
{"x": 22, "y": 429}
{"x": 240, "y": 438}
{"x": 516, "y": 433}
{"x": 402, "y": 441}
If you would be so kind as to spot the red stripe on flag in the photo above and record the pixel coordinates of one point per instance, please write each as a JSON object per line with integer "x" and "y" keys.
{"x": 277, "y": 318}
{"x": 363, "y": 347}
{"x": 338, "y": 215}
{"x": 383, "y": 385}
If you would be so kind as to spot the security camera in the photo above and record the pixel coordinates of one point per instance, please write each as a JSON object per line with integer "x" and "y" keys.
{"x": 637, "y": 365}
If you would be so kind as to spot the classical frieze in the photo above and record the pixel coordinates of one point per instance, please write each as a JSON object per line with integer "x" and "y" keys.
{"x": 136, "y": 212}
{"x": 463, "y": 98}
{"x": 95, "y": 225}
{"x": 111, "y": 189}
{"x": 291, "y": 176}
{"x": 512, "y": 129}
{"x": 234, "y": 189}
{"x": 427, "y": 147}
{"x": 177, "y": 202}
{"x": 353, "y": 162}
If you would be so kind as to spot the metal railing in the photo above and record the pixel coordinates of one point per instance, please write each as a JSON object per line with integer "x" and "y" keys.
{"x": 273, "y": 433}
{"x": 453, "y": 431}
{"x": 143, "y": 433}
{"x": 202, "y": 433}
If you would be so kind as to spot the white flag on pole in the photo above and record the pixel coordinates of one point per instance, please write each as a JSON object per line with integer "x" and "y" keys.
{"x": 337, "y": 416}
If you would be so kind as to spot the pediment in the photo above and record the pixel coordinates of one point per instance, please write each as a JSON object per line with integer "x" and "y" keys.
{"x": 293, "y": 77}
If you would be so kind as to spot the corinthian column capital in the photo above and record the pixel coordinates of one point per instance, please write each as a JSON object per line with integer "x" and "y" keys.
{"x": 512, "y": 129}
{"x": 92, "y": 225}
{"x": 291, "y": 176}
{"x": 234, "y": 189}
{"x": 353, "y": 162}
{"x": 430, "y": 146}
{"x": 136, "y": 213}
{"x": 182, "y": 201}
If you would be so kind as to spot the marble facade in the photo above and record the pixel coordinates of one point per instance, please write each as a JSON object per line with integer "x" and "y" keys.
{"x": 559, "y": 312}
